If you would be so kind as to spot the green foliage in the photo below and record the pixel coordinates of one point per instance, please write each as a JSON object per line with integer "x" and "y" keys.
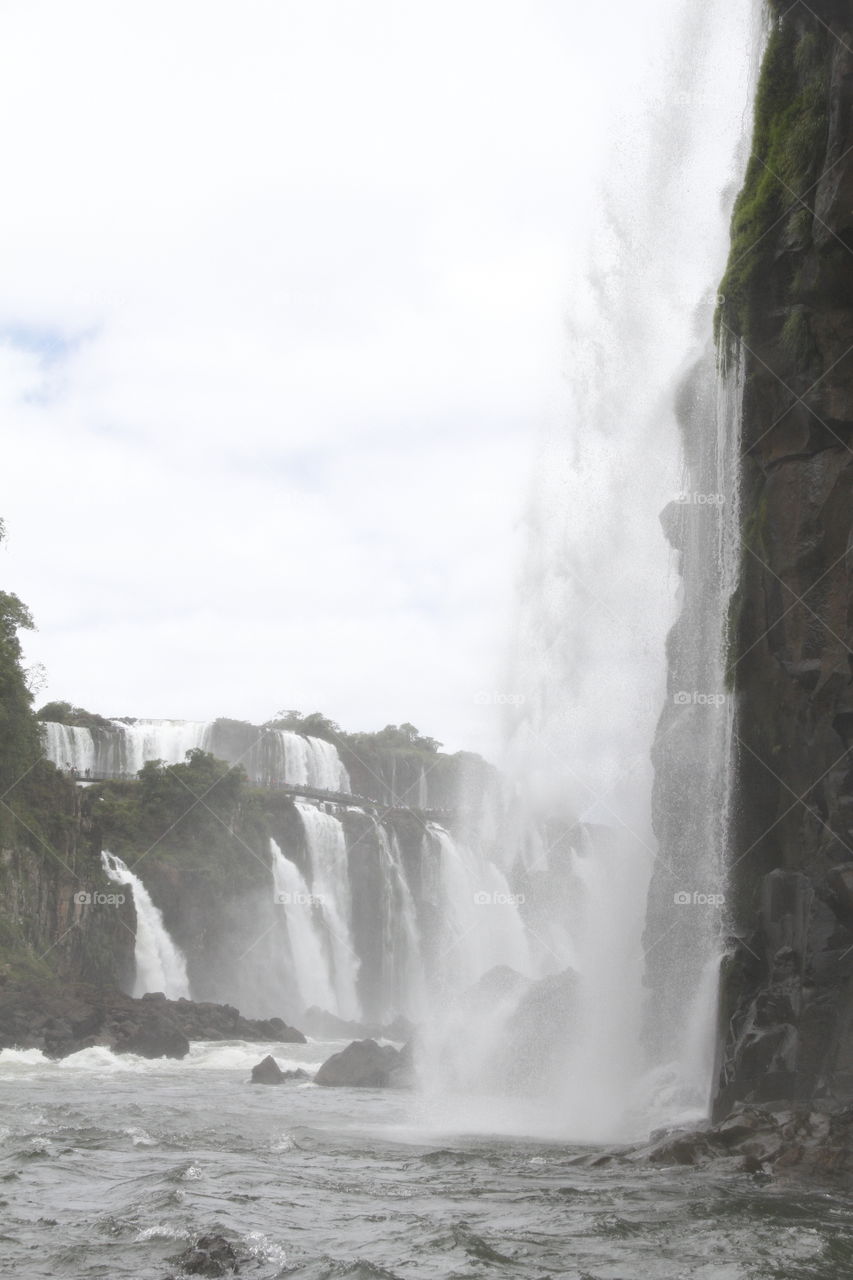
{"x": 65, "y": 713}
{"x": 20, "y": 741}
{"x": 168, "y": 793}
{"x": 196, "y": 818}
{"x": 789, "y": 140}
{"x": 396, "y": 737}
{"x": 314, "y": 725}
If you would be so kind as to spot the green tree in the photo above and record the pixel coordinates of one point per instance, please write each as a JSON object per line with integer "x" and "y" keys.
{"x": 20, "y": 740}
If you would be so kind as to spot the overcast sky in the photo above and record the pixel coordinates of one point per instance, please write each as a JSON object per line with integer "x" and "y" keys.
{"x": 282, "y": 314}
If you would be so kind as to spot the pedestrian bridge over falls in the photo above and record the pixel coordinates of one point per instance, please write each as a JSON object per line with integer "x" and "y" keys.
{"x": 298, "y": 792}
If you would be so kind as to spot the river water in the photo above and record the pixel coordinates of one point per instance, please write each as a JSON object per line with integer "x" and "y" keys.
{"x": 110, "y": 1166}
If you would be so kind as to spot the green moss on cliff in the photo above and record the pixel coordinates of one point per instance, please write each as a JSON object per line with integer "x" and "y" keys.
{"x": 200, "y": 817}
{"x": 789, "y": 140}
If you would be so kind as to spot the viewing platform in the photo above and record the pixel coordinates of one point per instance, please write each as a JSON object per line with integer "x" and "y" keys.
{"x": 298, "y": 791}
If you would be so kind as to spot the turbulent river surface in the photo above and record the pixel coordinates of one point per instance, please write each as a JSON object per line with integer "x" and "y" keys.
{"x": 111, "y": 1166}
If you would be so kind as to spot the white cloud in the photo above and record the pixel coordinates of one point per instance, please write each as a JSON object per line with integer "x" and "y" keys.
{"x": 282, "y": 292}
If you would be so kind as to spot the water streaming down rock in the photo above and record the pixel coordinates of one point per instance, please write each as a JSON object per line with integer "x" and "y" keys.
{"x": 401, "y": 971}
{"x": 269, "y": 756}
{"x": 596, "y": 597}
{"x": 480, "y": 925}
{"x": 693, "y": 749}
{"x": 160, "y": 965}
{"x": 307, "y": 965}
{"x": 329, "y": 883}
{"x": 377, "y": 923}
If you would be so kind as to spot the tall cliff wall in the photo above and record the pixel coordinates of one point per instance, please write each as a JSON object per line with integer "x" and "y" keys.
{"x": 787, "y": 991}
{"x": 59, "y": 918}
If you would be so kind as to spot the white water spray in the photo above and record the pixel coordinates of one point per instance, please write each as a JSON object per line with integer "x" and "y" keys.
{"x": 598, "y": 588}
{"x": 269, "y": 756}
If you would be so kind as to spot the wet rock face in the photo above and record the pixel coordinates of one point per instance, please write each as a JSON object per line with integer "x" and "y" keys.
{"x": 776, "y": 1141}
{"x": 787, "y": 1007}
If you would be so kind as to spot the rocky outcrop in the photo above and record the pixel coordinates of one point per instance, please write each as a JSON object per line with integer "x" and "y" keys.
{"x": 267, "y": 1071}
{"x": 63, "y": 1018}
{"x": 364, "y": 1064}
{"x": 782, "y": 1142}
{"x": 787, "y": 1009}
{"x": 207, "y": 1021}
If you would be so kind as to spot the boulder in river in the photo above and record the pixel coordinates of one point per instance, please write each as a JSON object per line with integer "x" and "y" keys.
{"x": 267, "y": 1071}
{"x": 364, "y": 1064}
{"x": 210, "y": 1256}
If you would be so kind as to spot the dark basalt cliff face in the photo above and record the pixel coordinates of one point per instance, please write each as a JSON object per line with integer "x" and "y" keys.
{"x": 787, "y": 992}
{"x": 59, "y": 914}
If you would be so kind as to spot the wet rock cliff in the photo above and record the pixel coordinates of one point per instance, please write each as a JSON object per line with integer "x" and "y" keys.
{"x": 786, "y": 1026}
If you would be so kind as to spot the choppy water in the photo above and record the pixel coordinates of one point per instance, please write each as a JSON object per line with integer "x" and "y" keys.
{"x": 108, "y": 1167}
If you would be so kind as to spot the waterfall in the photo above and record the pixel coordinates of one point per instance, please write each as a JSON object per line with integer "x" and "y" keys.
{"x": 269, "y": 756}
{"x": 309, "y": 963}
{"x": 401, "y": 977}
{"x": 310, "y": 761}
{"x": 329, "y": 886}
{"x": 481, "y": 925}
{"x": 693, "y": 751}
{"x": 597, "y": 591}
{"x": 160, "y": 965}
{"x": 70, "y": 747}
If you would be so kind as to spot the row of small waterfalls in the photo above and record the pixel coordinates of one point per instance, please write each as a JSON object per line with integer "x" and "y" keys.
{"x": 119, "y": 748}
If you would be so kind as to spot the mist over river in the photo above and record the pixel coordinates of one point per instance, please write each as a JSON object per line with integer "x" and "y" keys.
{"x": 112, "y": 1166}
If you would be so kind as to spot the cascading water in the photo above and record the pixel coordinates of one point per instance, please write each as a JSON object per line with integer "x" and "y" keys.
{"x": 160, "y": 965}
{"x": 596, "y": 600}
{"x": 309, "y": 968}
{"x": 693, "y": 751}
{"x": 401, "y": 977}
{"x": 330, "y": 889}
{"x": 481, "y": 926}
{"x": 269, "y": 756}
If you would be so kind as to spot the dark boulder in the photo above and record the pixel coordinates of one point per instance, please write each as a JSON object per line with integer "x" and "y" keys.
{"x": 268, "y": 1071}
{"x": 364, "y": 1064}
{"x": 210, "y": 1256}
{"x": 61, "y": 1018}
